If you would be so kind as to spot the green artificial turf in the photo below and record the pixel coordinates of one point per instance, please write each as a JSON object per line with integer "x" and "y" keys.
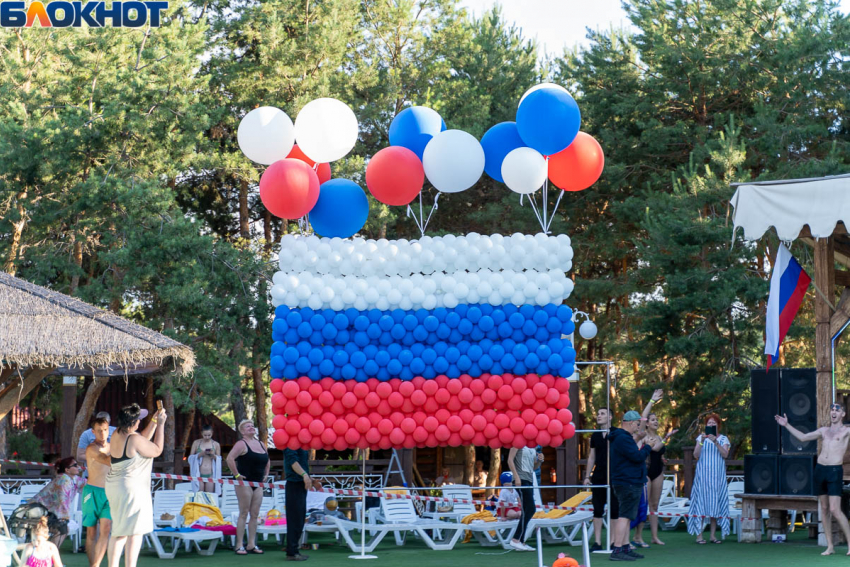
{"x": 680, "y": 551}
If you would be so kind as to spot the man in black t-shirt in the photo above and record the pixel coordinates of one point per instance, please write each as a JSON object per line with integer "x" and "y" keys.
{"x": 597, "y": 473}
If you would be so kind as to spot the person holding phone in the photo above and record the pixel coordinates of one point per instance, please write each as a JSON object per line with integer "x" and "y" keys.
{"x": 708, "y": 495}
{"x": 128, "y": 483}
{"x": 205, "y": 462}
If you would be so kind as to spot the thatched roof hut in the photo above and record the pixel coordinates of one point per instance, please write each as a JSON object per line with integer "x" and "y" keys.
{"x": 46, "y": 329}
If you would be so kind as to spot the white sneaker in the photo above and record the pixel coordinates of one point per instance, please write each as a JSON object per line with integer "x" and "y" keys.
{"x": 519, "y": 546}
{"x": 528, "y": 547}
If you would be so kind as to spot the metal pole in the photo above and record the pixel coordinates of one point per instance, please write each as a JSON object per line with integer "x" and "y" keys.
{"x": 608, "y": 460}
{"x": 832, "y": 354}
{"x": 363, "y": 518}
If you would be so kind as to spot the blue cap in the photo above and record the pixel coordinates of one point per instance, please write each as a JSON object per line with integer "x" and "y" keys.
{"x": 631, "y": 415}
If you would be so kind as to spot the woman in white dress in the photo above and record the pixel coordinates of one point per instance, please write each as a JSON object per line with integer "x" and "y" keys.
{"x": 708, "y": 494}
{"x": 128, "y": 484}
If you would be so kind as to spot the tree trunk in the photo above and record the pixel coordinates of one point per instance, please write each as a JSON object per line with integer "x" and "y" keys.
{"x": 168, "y": 444}
{"x": 86, "y": 412}
{"x": 187, "y": 430}
{"x": 17, "y": 232}
{"x": 4, "y": 440}
{"x": 19, "y": 386}
{"x": 469, "y": 464}
{"x": 150, "y": 393}
{"x": 495, "y": 469}
{"x": 260, "y": 401}
{"x": 267, "y": 231}
{"x": 237, "y": 403}
{"x": 77, "y": 259}
{"x": 244, "y": 217}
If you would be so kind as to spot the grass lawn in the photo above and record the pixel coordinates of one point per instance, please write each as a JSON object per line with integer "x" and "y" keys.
{"x": 680, "y": 551}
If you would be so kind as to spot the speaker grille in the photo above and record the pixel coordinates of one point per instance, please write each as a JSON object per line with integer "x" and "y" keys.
{"x": 799, "y": 403}
{"x": 764, "y": 387}
{"x": 797, "y": 475}
{"x": 760, "y": 474}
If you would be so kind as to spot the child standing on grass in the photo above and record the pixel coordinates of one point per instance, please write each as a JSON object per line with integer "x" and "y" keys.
{"x": 40, "y": 552}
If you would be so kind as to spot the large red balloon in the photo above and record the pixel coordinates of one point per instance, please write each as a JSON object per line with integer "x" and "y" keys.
{"x": 289, "y": 188}
{"x": 395, "y": 175}
{"x": 579, "y": 165}
{"x": 324, "y": 169}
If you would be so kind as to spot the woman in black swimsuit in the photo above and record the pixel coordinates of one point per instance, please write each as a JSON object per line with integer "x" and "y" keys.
{"x": 655, "y": 472}
{"x": 248, "y": 460}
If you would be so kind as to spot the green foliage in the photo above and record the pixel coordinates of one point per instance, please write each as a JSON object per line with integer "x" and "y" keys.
{"x": 24, "y": 446}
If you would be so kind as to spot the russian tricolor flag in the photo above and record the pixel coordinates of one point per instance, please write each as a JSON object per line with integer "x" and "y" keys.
{"x": 788, "y": 285}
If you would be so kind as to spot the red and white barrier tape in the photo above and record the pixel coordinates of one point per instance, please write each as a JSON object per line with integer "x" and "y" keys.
{"x": 387, "y": 495}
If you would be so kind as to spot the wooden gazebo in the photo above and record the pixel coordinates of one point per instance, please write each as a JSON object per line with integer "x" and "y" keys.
{"x": 44, "y": 332}
{"x": 814, "y": 211}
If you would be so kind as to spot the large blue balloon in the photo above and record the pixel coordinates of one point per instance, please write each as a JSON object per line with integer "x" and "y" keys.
{"x": 341, "y": 210}
{"x": 413, "y": 128}
{"x": 499, "y": 141}
{"x": 548, "y": 120}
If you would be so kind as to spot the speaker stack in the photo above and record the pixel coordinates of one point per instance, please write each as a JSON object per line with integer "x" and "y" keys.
{"x": 781, "y": 464}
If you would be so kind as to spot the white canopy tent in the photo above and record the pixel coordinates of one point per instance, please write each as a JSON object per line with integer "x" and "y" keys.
{"x": 817, "y": 211}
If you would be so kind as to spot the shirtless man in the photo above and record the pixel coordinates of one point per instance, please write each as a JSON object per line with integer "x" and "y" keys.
{"x": 95, "y": 505}
{"x": 829, "y": 473}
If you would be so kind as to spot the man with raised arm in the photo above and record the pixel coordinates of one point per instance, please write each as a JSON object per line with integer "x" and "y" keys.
{"x": 829, "y": 472}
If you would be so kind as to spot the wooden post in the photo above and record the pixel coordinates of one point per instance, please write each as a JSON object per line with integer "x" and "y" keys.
{"x": 825, "y": 281}
{"x": 777, "y": 523}
{"x": 750, "y": 521}
{"x": 69, "y": 415}
{"x": 406, "y": 458}
{"x": 688, "y": 470}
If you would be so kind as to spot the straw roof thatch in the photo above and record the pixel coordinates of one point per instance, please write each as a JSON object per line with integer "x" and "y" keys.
{"x": 44, "y": 328}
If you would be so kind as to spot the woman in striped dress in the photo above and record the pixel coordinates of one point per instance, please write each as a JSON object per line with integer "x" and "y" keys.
{"x": 708, "y": 495}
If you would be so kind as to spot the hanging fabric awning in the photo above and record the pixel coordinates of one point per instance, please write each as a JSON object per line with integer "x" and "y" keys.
{"x": 788, "y": 206}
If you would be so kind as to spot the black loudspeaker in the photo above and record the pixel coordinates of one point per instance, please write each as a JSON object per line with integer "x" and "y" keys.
{"x": 760, "y": 474}
{"x": 796, "y": 473}
{"x": 764, "y": 387}
{"x": 800, "y": 404}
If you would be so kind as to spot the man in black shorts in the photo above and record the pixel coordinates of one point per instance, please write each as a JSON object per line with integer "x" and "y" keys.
{"x": 597, "y": 473}
{"x": 829, "y": 472}
{"x": 628, "y": 477}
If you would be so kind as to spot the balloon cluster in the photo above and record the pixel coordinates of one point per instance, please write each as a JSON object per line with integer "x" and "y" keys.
{"x": 298, "y": 180}
{"x": 419, "y": 292}
{"x": 494, "y": 410}
{"x": 360, "y": 257}
{"x": 471, "y": 339}
{"x": 467, "y": 313}
{"x": 545, "y": 141}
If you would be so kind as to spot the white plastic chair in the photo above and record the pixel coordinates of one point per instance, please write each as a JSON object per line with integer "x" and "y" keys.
{"x": 183, "y": 486}
{"x": 27, "y": 491}
{"x": 167, "y": 502}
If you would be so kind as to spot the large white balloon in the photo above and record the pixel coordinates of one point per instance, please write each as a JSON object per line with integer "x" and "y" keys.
{"x": 326, "y": 129}
{"x": 453, "y": 161}
{"x": 524, "y": 170}
{"x": 266, "y": 135}
{"x": 542, "y": 86}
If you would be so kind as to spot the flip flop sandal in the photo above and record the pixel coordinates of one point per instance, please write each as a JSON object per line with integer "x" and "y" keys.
{"x": 718, "y": 541}
{"x": 641, "y": 544}
{"x": 701, "y": 542}
{"x": 256, "y": 550}
{"x": 241, "y": 551}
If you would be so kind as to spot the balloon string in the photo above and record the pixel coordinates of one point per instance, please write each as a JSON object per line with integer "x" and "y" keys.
{"x": 411, "y": 213}
{"x": 536, "y": 213}
{"x": 546, "y": 196}
{"x": 554, "y": 210}
{"x": 434, "y": 208}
